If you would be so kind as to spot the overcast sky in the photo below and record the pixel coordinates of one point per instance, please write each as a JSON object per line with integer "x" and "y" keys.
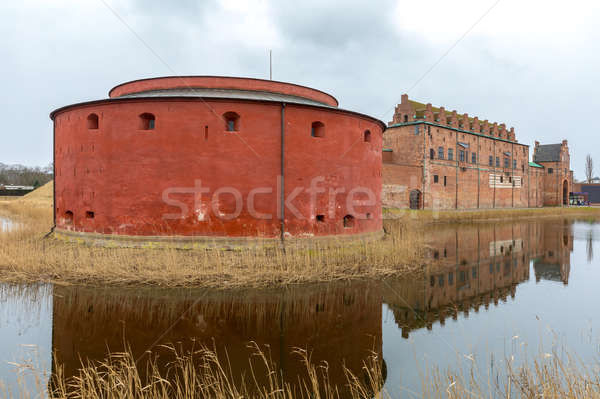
{"x": 532, "y": 64}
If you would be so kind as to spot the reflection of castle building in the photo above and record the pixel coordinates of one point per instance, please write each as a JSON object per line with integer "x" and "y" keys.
{"x": 476, "y": 265}
{"x": 554, "y": 262}
{"x": 340, "y": 324}
{"x": 437, "y": 159}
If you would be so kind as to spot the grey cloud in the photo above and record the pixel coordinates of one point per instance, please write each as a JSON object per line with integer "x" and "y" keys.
{"x": 355, "y": 50}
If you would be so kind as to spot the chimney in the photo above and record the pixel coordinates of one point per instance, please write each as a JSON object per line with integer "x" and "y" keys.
{"x": 429, "y": 112}
{"x": 454, "y": 119}
{"x": 442, "y": 117}
{"x": 476, "y": 125}
{"x": 404, "y": 99}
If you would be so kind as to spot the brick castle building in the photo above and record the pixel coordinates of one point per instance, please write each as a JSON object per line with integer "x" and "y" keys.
{"x": 437, "y": 159}
{"x": 208, "y": 157}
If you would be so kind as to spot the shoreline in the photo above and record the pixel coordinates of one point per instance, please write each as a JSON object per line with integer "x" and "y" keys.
{"x": 27, "y": 255}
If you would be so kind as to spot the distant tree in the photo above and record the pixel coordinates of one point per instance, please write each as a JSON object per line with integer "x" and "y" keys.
{"x": 25, "y": 176}
{"x": 589, "y": 168}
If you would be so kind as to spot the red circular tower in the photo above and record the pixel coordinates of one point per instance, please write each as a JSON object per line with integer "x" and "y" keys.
{"x": 216, "y": 157}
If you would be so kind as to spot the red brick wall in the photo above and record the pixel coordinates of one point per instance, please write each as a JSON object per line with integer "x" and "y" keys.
{"x": 467, "y": 184}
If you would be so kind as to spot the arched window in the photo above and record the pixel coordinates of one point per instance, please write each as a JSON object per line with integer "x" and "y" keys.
{"x": 348, "y": 221}
{"x": 317, "y": 129}
{"x": 232, "y": 121}
{"x": 147, "y": 121}
{"x": 431, "y": 153}
{"x": 68, "y": 218}
{"x": 367, "y": 136}
{"x": 92, "y": 121}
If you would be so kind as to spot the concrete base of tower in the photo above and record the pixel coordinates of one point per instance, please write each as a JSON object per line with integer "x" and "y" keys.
{"x": 206, "y": 242}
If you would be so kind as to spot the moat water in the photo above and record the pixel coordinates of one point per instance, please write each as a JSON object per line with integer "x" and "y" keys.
{"x": 496, "y": 291}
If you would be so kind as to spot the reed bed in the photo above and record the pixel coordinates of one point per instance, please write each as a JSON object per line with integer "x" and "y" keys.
{"x": 26, "y": 256}
{"x": 203, "y": 373}
{"x": 471, "y": 215}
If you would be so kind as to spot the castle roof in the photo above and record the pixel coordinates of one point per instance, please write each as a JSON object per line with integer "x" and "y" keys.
{"x": 547, "y": 153}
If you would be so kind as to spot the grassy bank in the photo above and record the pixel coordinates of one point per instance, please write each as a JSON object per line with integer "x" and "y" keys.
{"x": 472, "y": 215}
{"x": 25, "y": 256}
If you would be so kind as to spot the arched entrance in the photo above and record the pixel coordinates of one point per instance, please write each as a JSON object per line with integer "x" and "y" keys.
{"x": 565, "y": 193}
{"x": 415, "y": 199}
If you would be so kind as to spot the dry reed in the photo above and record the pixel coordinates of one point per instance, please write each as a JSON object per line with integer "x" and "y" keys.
{"x": 202, "y": 373}
{"x": 25, "y": 256}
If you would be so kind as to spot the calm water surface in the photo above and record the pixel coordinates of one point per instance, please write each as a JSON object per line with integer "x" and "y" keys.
{"x": 494, "y": 291}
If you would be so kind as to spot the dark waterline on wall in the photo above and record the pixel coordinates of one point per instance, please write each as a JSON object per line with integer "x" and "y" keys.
{"x": 494, "y": 291}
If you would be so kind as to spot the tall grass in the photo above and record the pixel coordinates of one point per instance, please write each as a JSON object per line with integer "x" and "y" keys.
{"x": 25, "y": 256}
{"x": 470, "y": 215}
{"x": 202, "y": 373}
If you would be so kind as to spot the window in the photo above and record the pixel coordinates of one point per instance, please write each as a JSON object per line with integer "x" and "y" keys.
{"x": 473, "y": 157}
{"x": 523, "y": 167}
{"x": 501, "y": 179}
{"x": 450, "y": 154}
{"x": 232, "y": 121}
{"x": 428, "y": 129}
{"x": 92, "y": 122}
{"x": 550, "y": 171}
{"x": 317, "y": 129}
{"x": 441, "y": 152}
{"x": 444, "y": 181}
{"x": 89, "y": 214}
{"x": 367, "y": 136}
{"x": 450, "y": 278}
{"x": 416, "y": 130}
{"x": 506, "y": 162}
{"x": 147, "y": 121}
{"x": 320, "y": 218}
{"x": 68, "y": 218}
{"x": 497, "y": 162}
{"x": 348, "y": 221}
{"x": 461, "y": 155}
{"x": 431, "y": 153}
{"x": 491, "y": 161}
{"x": 509, "y": 179}
{"x": 514, "y": 164}
{"x": 435, "y": 178}
{"x": 405, "y": 118}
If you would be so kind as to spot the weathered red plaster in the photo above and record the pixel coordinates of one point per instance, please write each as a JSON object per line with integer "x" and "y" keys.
{"x": 120, "y": 172}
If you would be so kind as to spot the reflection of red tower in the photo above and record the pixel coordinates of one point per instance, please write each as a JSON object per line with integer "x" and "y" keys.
{"x": 130, "y": 165}
{"x": 339, "y": 324}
